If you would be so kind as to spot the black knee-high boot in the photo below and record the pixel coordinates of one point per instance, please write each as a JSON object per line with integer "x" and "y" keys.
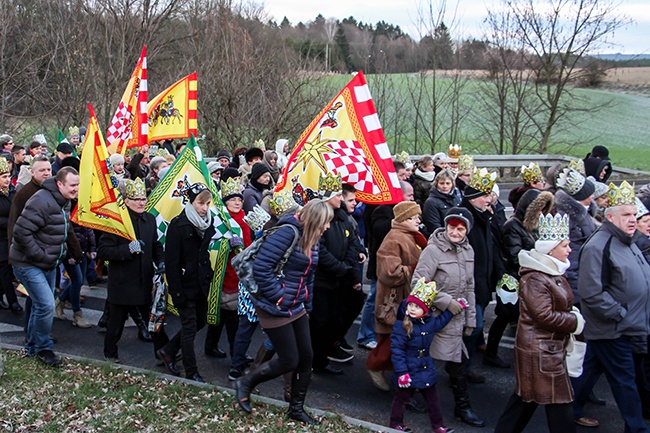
{"x": 299, "y": 386}
{"x": 463, "y": 410}
{"x": 246, "y": 384}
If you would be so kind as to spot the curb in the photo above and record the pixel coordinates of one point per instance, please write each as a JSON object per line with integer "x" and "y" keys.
{"x": 258, "y": 398}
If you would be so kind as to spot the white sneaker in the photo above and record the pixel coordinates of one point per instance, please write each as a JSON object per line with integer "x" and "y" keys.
{"x": 369, "y": 346}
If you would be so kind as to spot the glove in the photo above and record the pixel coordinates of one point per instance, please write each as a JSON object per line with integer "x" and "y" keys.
{"x": 404, "y": 381}
{"x": 72, "y": 261}
{"x": 135, "y": 247}
{"x": 463, "y": 302}
{"x": 236, "y": 242}
{"x": 581, "y": 321}
{"x": 454, "y": 307}
{"x": 467, "y": 331}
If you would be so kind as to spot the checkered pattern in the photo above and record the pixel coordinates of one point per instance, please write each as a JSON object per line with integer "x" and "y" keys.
{"x": 350, "y": 162}
{"x": 118, "y": 127}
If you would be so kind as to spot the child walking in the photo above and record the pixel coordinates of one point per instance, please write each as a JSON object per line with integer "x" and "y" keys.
{"x": 414, "y": 367}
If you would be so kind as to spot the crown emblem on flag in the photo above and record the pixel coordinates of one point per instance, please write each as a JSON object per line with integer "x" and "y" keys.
{"x": 4, "y": 166}
{"x": 553, "y": 227}
{"x": 425, "y": 292}
{"x": 256, "y": 218}
{"x": 482, "y": 180}
{"x": 230, "y": 187}
{"x": 571, "y": 181}
{"x": 403, "y": 157}
{"x": 259, "y": 144}
{"x": 578, "y": 165}
{"x": 281, "y": 202}
{"x": 531, "y": 173}
{"x": 621, "y": 195}
{"x": 329, "y": 185}
{"x": 73, "y": 130}
{"x": 135, "y": 188}
{"x": 454, "y": 151}
{"x": 465, "y": 162}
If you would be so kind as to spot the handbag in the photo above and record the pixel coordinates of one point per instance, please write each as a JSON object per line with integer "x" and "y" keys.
{"x": 387, "y": 311}
{"x": 575, "y": 356}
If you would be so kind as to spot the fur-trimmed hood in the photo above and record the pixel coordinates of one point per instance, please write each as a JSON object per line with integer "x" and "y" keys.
{"x": 543, "y": 203}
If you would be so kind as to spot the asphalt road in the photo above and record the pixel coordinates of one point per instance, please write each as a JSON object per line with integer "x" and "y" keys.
{"x": 351, "y": 394}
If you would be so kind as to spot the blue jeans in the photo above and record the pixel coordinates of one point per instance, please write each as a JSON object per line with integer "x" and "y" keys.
{"x": 243, "y": 338}
{"x": 40, "y": 287}
{"x": 367, "y": 326}
{"x": 614, "y": 358}
{"x": 72, "y": 291}
{"x": 471, "y": 341}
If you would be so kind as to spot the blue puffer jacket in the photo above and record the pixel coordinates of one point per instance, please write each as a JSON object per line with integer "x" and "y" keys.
{"x": 411, "y": 354}
{"x": 292, "y": 292}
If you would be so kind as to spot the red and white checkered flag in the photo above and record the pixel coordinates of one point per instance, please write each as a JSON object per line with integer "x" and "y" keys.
{"x": 351, "y": 164}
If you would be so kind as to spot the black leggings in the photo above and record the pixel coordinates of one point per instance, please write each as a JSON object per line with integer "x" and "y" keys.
{"x": 292, "y": 344}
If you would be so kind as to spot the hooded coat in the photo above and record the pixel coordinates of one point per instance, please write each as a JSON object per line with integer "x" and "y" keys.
{"x": 594, "y": 166}
{"x": 436, "y": 207}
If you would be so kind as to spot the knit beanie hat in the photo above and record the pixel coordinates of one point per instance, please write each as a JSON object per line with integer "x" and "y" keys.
{"x": 461, "y": 214}
{"x": 258, "y": 170}
{"x": 116, "y": 158}
{"x": 406, "y": 210}
{"x": 600, "y": 152}
{"x": 228, "y": 173}
{"x": 418, "y": 302}
{"x": 214, "y": 166}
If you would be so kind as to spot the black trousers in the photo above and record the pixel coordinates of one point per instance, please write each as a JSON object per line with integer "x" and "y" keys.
{"x": 350, "y": 305}
{"x": 230, "y": 320}
{"x": 517, "y": 414}
{"x": 115, "y": 326}
{"x": 193, "y": 315}
{"x": 6, "y": 283}
{"x": 292, "y": 344}
{"x": 325, "y": 324}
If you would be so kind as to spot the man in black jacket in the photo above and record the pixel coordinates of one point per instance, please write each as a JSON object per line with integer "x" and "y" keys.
{"x": 36, "y": 250}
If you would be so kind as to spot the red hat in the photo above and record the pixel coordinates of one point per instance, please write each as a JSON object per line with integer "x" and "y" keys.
{"x": 418, "y": 302}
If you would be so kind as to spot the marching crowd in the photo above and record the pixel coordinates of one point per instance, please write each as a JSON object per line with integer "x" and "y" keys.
{"x": 570, "y": 267}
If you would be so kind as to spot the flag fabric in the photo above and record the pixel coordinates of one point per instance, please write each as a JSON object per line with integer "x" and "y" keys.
{"x": 100, "y": 206}
{"x": 172, "y": 114}
{"x": 169, "y": 198}
{"x": 129, "y": 126}
{"x": 61, "y": 138}
{"x": 345, "y": 138}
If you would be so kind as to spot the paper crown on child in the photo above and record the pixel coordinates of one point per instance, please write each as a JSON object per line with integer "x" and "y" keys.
{"x": 553, "y": 228}
{"x": 621, "y": 195}
{"x": 482, "y": 180}
{"x": 135, "y": 188}
{"x": 454, "y": 153}
{"x": 281, "y": 202}
{"x": 531, "y": 173}
{"x": 425, "y": 292}
{"x": 256, "y": 218}
{"x": 465, "y": 162}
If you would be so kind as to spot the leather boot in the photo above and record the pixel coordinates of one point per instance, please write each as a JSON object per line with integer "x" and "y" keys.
{"x": 288, "y": 378}
{"x": 79, "y": 321}
{"x": 463, "y": 410}
{"x": 143, "y": 332}
{"x": 296, "y": 411}
{"x": 262, "y": 356}
{"x": 246, "y": 384}
{"x": 103, "y": 321}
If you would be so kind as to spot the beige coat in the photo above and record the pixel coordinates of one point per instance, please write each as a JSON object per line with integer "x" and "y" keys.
{"x": 451, "y": 266}
{"x": 396, "y": 259}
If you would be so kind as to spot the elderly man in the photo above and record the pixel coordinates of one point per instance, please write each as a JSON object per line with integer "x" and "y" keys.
{"x": 36, "y": 250}
{"x": 614, "y": 283}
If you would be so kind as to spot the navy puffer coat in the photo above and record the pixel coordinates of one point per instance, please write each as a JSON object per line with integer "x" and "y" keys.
{"x": 411, "y": 354}
{"x": 290, "y": 293}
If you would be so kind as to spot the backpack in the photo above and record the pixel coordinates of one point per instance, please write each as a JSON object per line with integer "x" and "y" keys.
{"x": 243, "y": 262}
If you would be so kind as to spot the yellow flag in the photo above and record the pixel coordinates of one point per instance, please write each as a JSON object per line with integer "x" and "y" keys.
{"x": 172, "y": 114}
{"x": 100, "y": 205}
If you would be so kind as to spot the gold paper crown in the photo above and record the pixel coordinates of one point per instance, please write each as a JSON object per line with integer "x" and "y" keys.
{"x": 482, "y": 180}
{"x": 532, "y": 173}
{"x": 578, "y": 165}
{"x": 553, "y": 227}
{"x": 256, "y": 218}
{"x": 621, "y": 196}
{"x": 135, "y": 188}
{"x": 259, "y": 144}
{"x": 329, "y": 183}
{"x": 454, "y": 151}
{"x": 4, "y": 166}
{"x": 161, "y": 152}
{"x": 230, "y": 187}
{"x": 281, "y": 202}
{"x": 508, "y": 283}
{"x": 571, "y": 181}
{"x": 425, "y": 292}
{"x": 465, "y": 162}
{"x": 403, "y": 157}
{"x": 73, "y": 130}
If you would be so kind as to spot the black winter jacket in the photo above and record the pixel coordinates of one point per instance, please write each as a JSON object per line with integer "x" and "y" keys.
{"x": 187, "y": 260}
{"x": 378, "y": 227}
{"x": 41, "y": 230}
{"x": 5, "y": 206}
{"x": 131, "y": 277}
{"x": 436, "y": 208}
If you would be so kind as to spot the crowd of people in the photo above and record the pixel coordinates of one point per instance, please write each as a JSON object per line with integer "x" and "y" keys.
{"x": 569, "y": 266}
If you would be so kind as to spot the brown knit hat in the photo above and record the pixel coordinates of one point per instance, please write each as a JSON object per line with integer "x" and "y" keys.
{"x": 406, "y": 210}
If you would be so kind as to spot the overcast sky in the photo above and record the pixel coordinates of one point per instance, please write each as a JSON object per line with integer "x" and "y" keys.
{"x": 466, "y": 15}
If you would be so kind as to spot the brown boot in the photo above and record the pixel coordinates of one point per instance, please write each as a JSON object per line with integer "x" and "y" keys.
{"x": 59, "y": 309}
{"x": 79, "y": 321}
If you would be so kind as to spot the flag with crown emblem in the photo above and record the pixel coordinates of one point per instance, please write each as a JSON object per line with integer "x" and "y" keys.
{"x": 129, "y": 126}
{"x": 345, "y": 139}
{"x": 99, "y": 204}
{"x": 169, "y": 198}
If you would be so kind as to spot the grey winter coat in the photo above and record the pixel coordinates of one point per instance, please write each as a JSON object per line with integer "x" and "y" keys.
{"x": 41, "y": 230}
{"x": 451, "y": 266}
{"x": 614, "y": 283}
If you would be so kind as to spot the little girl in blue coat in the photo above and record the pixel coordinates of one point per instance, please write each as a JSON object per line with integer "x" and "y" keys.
{"x": 414, "y": 368}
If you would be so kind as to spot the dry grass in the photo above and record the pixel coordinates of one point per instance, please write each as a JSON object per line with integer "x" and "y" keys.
{"x": 633, "y": 76}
